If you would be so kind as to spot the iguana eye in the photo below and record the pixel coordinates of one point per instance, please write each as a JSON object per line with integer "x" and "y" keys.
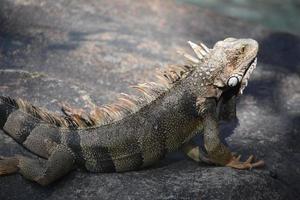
{"x": 243, "y": 49}
{"x": 232, "y": 81}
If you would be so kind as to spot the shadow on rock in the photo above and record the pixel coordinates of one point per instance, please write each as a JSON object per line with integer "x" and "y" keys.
{"x": 281, "y": 50}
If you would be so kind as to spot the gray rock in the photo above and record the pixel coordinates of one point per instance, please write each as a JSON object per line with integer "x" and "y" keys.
{"x": 78, "y": 51}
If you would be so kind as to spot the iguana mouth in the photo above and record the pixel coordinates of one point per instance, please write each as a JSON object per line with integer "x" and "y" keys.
{"x": 246, "y": 76}
{"x": 238, "y": 90}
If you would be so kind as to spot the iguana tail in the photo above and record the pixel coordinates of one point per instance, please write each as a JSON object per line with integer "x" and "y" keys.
{"x": 7, "y": 106}
{"x": 38, "y": 131}
{"x": 19, "y": 119}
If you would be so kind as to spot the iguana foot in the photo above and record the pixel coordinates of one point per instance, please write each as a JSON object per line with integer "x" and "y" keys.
{"x": 248, "y": 164}
{"x": 42, "y": 171}
{"x": 8, "y": 165}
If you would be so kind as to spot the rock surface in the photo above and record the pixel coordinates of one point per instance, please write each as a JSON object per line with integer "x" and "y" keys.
{"x": 79, "y": 51}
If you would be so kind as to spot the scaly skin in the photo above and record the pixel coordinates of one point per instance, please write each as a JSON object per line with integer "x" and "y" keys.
{"x": 197, "y": 102}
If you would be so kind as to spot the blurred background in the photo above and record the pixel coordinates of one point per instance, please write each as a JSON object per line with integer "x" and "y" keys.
{"x": 278, "y": 15}
{"x": 83, "y": 51}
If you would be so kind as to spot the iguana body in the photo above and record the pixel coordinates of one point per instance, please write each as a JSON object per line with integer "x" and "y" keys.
{"x": 137, "y": 132}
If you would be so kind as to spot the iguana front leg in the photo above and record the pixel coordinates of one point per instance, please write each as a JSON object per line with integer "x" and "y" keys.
{"x": 218, "y": 153}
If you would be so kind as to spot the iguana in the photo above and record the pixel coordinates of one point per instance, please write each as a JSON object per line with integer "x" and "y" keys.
{"x": 137, "y": 131}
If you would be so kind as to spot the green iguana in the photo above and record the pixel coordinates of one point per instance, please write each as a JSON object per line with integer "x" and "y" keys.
{"x": 137, "y": 131}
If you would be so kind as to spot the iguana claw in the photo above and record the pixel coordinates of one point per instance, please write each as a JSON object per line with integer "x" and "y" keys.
{"x": 248, "y": 164}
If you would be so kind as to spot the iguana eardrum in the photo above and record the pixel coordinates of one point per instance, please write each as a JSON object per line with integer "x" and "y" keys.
{"x": 135, "y": 132}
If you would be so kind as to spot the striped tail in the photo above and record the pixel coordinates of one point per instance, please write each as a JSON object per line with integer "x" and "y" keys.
{"x": 14, "y": 121}
{"x": 7, "y": 106}
{"x": 30, "y": 126}
{"x": 18, "y": 118}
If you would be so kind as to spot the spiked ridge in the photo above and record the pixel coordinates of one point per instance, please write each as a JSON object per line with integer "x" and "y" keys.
{"x": 46, "y": 116}
{"x": 125, "y": 105}
{"x": 201, "y": 52}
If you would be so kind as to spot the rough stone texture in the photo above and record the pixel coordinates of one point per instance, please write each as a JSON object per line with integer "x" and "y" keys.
{"x": 74, "y": 51}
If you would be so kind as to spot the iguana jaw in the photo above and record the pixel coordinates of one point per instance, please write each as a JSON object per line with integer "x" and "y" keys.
{"x": 244, "y": 81}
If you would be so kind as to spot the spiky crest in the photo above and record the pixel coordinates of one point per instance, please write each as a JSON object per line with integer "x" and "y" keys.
{"x": 46, "y": 116}
{"x": 125, "y": 104}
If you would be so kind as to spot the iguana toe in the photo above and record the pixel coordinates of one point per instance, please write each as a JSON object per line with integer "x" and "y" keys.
{"x": 248, "y": 164}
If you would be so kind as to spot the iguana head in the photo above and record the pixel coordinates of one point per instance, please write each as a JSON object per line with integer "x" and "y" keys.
{"x": 223, "y": 71}
{"x": 233, "y": 60}
{"x": 227, "y": 66}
